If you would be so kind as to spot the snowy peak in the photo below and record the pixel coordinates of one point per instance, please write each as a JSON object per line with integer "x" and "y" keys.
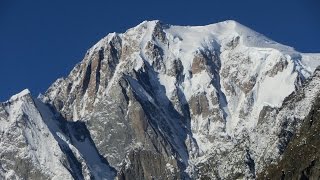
{"x": 218, "y": 32}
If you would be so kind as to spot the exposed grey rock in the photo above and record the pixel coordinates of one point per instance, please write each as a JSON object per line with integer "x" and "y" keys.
{"x": 278, "y": 67}
{"x": 142, "y": 164}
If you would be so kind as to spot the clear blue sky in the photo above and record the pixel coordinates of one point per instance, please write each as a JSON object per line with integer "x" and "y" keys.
{"x": 41, "y": 40}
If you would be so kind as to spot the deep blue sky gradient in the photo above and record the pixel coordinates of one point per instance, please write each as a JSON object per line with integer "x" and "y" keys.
{"x": 41, "y": 40}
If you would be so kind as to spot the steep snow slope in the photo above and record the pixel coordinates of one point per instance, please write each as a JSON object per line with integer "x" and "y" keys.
{"x": 36, "y": 145}
{"x": 75, "y": 141}
{"x": 300, "y": 116}
{"x": 178, "y": 102}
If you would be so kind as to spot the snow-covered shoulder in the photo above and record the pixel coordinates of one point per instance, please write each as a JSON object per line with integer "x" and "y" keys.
{"x": 19, "y": 95}
{"x": 227, "y": 30}
{"x": 310, "y": 60}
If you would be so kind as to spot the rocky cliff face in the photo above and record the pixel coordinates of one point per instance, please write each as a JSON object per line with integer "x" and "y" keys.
{"x": 166, "y": 102}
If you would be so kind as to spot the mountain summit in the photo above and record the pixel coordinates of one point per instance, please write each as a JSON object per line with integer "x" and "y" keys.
{"x": 164, "y": 102}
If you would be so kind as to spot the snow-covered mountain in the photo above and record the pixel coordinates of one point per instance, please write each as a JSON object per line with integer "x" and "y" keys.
{"x": 164, "y": 102}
